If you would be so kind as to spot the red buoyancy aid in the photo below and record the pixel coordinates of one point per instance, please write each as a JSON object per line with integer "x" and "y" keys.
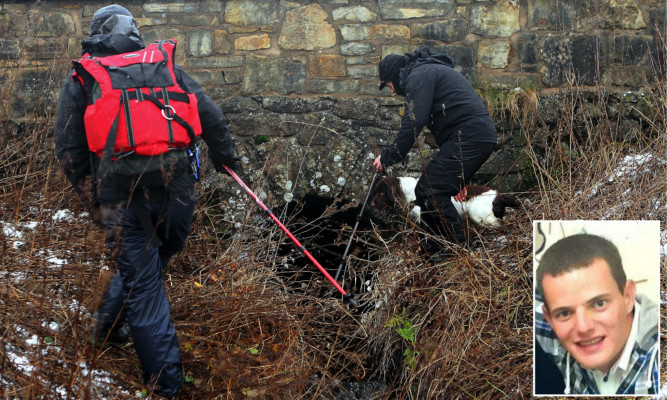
{"x": 137, "y": 99}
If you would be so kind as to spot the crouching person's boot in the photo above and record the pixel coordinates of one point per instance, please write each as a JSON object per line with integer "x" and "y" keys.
{"x": 430, "y": 245}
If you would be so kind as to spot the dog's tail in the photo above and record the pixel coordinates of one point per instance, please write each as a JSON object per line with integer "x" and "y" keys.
{"x": 501, "y": 202}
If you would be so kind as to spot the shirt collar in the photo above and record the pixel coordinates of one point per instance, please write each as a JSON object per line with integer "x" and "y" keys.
{"x": 624, "y": 360}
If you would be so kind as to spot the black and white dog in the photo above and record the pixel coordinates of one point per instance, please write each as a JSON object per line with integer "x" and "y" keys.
{"x": 482, "y": 204}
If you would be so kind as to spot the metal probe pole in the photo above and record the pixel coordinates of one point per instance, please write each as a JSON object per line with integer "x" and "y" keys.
{"x": 347, "y": 297}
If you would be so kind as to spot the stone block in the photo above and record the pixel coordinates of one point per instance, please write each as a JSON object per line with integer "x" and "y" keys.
{"x": 283, "y": 76}
{"x": 12, "y": 24}
{"x": 10, "y": 49}
{"x": 208, "y": 77}
{"x": 45, "y": 48}
{"x": 507, "y": 81}
{"x": 324, "y": 86}
{"x": 240, "y": 104}
{"x": 50, "y": 24}
{"x": 371, "y": 89}
{"x": 222, "y": 92}
{"x": 201, "y": 43}
{"x": 408, "y": 9}
{"x": 327, "y": 65}
{"x": 396, "y": 49}
{"x": 211, "y": 6}
{"x": 365, "y": 72}
{"x": 221, "y": 44}
{"x": 626, "y": 14}
{"x": 383, "y": 32}
{"x": 573, "y": 57}
{"x": 354, "y": 60}
{"x": 354, "y": 13}
{"x": 258, "y": 123}
{"x": 493, "y": 53}
{"x": 503, "y": 160}
{"x": 356, "y": 48}
{"x": 293, "y": 105}
{"x": 232, "y": 76}
{"x": 149, "y": 22}
{"x": 631, "y": 49}
{"x": 351, "y": 108}
{"x": 526, "y": 47}
{"x": 310, "y": 130}
{"x": 254, "y": 42}
{"x": 452, "y": 30}
{"x": 216, "y": 62}
{"x": 191, "y": 20}
{"x": 464, "y": 58}
{"x": 175, "y": 7}
{"x": 496, "y": 20}
{"x": 582, "y": 15}
{"x": 628, "y": 76}
{"x": 252, "y": 12}
{"x": 351, "y": 32}
{"x": 306, "y": 28}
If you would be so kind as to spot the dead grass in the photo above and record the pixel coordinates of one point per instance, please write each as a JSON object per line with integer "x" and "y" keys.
{"x": 253, "y": 319}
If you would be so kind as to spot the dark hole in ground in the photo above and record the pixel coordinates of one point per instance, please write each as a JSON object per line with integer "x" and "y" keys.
{"x": 324, "y": 227}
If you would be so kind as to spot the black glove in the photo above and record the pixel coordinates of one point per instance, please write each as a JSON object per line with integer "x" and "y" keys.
{"x": 88, "y": 202}
{"x": 234, "y": 164}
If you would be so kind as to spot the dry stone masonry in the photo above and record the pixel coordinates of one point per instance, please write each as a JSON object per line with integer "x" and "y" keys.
{"x": 298, "y": 80}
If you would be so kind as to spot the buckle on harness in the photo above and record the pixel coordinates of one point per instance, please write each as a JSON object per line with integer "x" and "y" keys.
{"x": 172, "y": 111}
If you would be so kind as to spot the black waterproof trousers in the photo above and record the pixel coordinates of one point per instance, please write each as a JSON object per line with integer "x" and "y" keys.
{"x": 444, "y": 177}
{"x": 137, "y": 294}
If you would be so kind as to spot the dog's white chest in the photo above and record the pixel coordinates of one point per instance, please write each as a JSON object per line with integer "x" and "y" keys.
{"x": 408, "y": 186}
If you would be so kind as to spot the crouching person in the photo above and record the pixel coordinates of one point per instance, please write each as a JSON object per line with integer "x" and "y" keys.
{"x": 132, "y": 129}
{"x": 438, "y": 97}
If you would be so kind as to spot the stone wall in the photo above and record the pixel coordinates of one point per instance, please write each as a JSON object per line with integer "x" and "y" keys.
{"x": 298, "y": 79}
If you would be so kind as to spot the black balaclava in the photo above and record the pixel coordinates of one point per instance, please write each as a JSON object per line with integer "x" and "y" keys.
{"x": 389, "y": 70}
{"x": 103, "y": 14}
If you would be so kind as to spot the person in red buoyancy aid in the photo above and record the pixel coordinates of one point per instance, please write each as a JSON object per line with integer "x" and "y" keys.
{"x": 128, "y": 120}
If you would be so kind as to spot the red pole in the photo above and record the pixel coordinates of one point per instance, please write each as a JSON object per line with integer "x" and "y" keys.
{"x": 346, "y": 296}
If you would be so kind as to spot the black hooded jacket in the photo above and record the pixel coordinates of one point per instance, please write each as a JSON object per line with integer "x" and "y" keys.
{"x": 71, "y": 143}
{"x": 440, "y": 98}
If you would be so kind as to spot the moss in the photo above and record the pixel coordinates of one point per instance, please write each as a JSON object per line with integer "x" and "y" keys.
{"x": 262, "y": 139}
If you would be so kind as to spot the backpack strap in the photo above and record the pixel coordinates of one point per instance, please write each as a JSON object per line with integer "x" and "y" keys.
{"x": 125, "y": 100}
{"x": 107, "y": 153}
{"x": 167, "y": 113}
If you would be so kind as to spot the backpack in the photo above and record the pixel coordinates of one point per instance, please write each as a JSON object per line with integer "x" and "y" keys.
{"x": 139, "y": 121}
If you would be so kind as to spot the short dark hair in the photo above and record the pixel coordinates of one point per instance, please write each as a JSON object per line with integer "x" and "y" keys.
{"x": 579, "y": 251}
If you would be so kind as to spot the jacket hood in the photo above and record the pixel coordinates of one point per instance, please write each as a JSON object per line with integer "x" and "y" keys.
{"x": 395, "y": 69}
{"x": 103, "y": 14}
{"x": 648, "y": 318}
{"x": 118, "y": 33}
{"x": 422, "y": 56}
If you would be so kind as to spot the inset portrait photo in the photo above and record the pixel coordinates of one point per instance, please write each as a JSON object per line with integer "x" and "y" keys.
{"x": 596, "y": 307}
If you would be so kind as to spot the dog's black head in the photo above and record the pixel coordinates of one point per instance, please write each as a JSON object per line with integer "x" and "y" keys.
{"x": 385, "y": 193}
{"x": 501, "y": 202}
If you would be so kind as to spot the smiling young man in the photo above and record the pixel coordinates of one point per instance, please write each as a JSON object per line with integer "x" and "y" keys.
{"x": 601, "y": 334}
